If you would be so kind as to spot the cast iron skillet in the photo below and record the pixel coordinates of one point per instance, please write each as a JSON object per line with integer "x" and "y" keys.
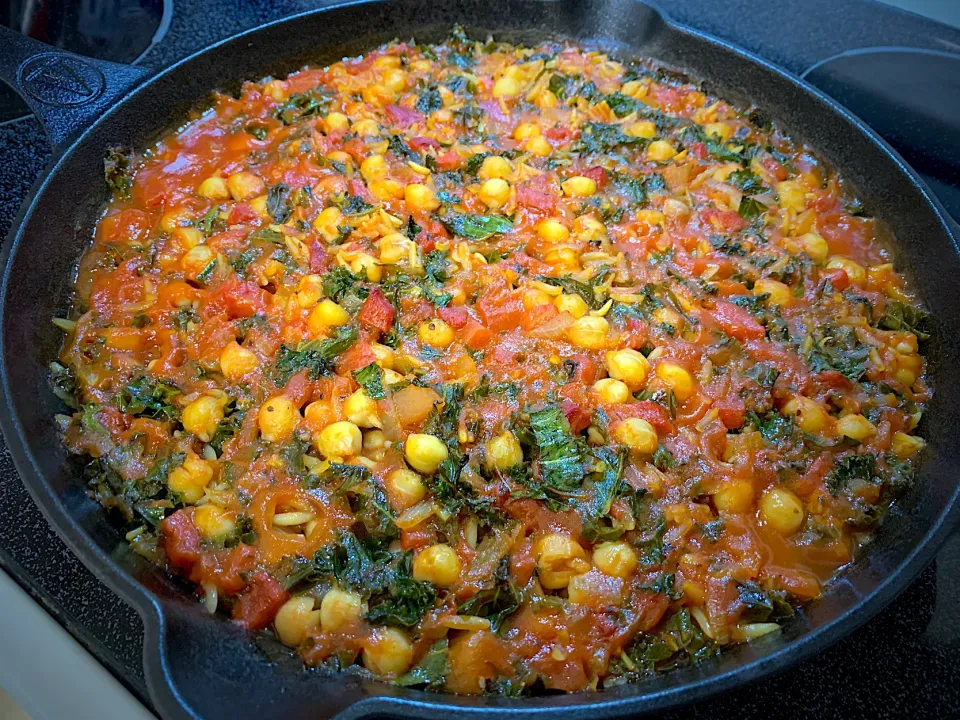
{"x": 198, "y": 667}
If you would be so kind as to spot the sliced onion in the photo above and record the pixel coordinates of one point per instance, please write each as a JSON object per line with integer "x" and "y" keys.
{"x": 413, "y": 516}
{"x": 465, "y": 622}
{"x": 289, "y": 519}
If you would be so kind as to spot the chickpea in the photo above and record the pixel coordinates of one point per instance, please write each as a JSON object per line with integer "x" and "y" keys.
{"x": 534, "y": 297}
{"x": 811, "y": 417}
{"x": 572, "y": 304}
{"x": 792, "y": 195}
{"x": 213, "y": 521}
{"x": 394, "y": 248}
{"x": 278, "y": 418}
{"x": 395, "y": 80}
{"x": 638, "y": 434}
{"x": 855, "y": 271}
{"x": 362, "y": 410}
{"x": 735, "y": 496}
{"x": 856, "y": 427}
{"x": 506, "y": 87}
{"x": 309, "y": 290}
{"x": 295, "y": 618}
{"x": 525, "y": 131}
{"x": 374, "y": 168}
{"x": 494, "y": 193}
{"x": 815, "y": 246}
{"x": 196, "y": 260}
{"x": 202, "y": 416}
{"x": 387, "y": 651}
{"x": 365, "y": 128}
{"x": 677, "y": 379}
{"x": 494, "y": 167}
{"x": 437, "y": 564}
{"x": 628, "y": 365}
{"x": 366, "y": 264}
{"x": 503, "y": 452}
{"x": 406, "y": 488}
{"x": 660, "y": 151}
{"x": 339, "y": 608}
{"x": 327, "y": 223}
{"x": 214, "y": 188}
{"x": 421, "y": 197}
{"x": 587, "y": 227}
{"x": 615, "y": 558}
{"x": 244, "y": 185}
{"x": 339, "y": 440}
{"x": 780, "y": 294}
{"x": 538, "y": 146}
{"x": 553, "y": 231}
{"x": 191, "y": 479}
{"x": 385, "y": 355}
{"x": 171, "y": 220}
{"x": 611, "y": 391}
{"x": 559, "y": 558}
{"x": 237, "y": 361}
{"x": 373, "y": 442}
{"x": 579, "y": 186}
{"x": 782, "y": 510}
{"x": 327, "y": 314}
{"x": 720, "y": 130}
{"x": 336, "y": 122}
{"x": 905, "y": 446}
{"x": 589, "y": 332}
{"x": 435, "y": 333}
{"x": 642, "y": 129}
{"x": 425, "y": 452}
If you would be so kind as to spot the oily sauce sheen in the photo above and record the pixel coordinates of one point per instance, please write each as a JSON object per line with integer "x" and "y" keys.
{"x": 491, "y": 368}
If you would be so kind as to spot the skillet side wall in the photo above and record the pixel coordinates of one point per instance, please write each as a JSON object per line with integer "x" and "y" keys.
{"x": 216, "y": 670}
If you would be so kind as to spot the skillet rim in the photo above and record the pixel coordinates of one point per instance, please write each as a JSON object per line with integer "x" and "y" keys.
{"x": 162, "y": 689}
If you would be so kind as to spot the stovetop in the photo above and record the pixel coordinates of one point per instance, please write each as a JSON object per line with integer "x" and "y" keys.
{"x": 902, "y": 662}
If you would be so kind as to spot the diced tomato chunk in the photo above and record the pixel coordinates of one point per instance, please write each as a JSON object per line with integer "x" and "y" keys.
{"x": 598, "y": 175}
{"x": 377, "y": 312}
{"x": 258, "y": 605}
{"x": 535, "y": 198}
{"x": 319, "y": 259}
{"x": 358, "y": 356}
{"x": 736, "y": 322}
{"x": 838, "y": 278}
{"x": 450, "y": 160}
{"x": 456, "y": 316}
{"x": 501, "y": 311}
{"x": 577, "y": 416}
{"x": 475, "y": 335}
{"x": 732, "y": 412}
{"x": 243, "y": 298}
{"x": 698, "y": 150}
{"x": 241, "y": 213}
{"x": 654, "y": 413}
{"x": 403, "y": 116}
{"x": 420, "y": 143}
{"x": 725, "y": 221}
{"x": 586, "y": 369}
{"x": 181, "y": 539}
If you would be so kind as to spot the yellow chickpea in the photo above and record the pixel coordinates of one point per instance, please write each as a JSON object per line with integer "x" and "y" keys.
{"x": 177, "y": 218}
{"x": 425, "y": 453}
{"x": 387, "y": 651}
{"x": 336, "y": 122}
{"x": 589, "y": 332}
{"x": 237, "y": 361}
{"x": 735, "y": 496}
{"x": 494, "y": 193}
{"x": 365, "y": 128}
{"x": 339, "y": 609}
{"x": 615, "y": 558}
{"x": 780, "y": 294}
{"x": 611, "y": 391}
{"x": 628, "y": 365}
{"x": 503, "y": 452}
{"x": 856, "y": 427}
{"x": 579, "y": 186}
{"x": 243, "y": 185}
{"x": 538, "y": 146}
{"x": 309, "y": 290}
{"x": 386, "y": 357}
{"x": 366, "y": 264}
{"x": 278, "y": 418}
{"x": 202, "y": 416}
{"x": 395, "y": 80}
{"x": 327, "y": 223}
{"x": 660, "y": 151}
{"x": 782, "y": 510}
{"x": 559, "y": 558}
{"x": 792, "y": 195}
{"x": 643, "y": 129}
{"x": 437, "y": 564}
{"x": 395, "y": 248}
{"x": 905, "y": 446}
{"x": 406, "y": 488}
{"x": 573, "y": 304}
{"x": 506, "y": 87}
{"x": 362, "y": 410}
{"x": 435, "y": 333}
{"x": 855, "y": 271}
{"x": 214, "y": 188}
{"x": 534, "y": 297}
{"x": 339, "y": 440}
{"x": 374, "y": 168}
{"x": 329, "y": 314}
{"x": 811, "y": 417}
{"x": 677, "y": 379}
{"x": 638, "y": 434}
{"x": 196, "y": 260}
{"x": 191, "y": 479}
{"x": 495, "y": 167}
{"x": 525, "y": 131}
{"x": 553, "y": 230}
{"x": 421, "y": 197}
{"x": 587, "y": 227}
{"x": 295, "y": 618}
{"x": 213, "y": 521}
{"x": 720, "y": 130}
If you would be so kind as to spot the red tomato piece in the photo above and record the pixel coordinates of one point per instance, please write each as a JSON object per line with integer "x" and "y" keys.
{"x": 475, "y": 335}
{"x": 732, "y": 412}
{"x": 838, "y": 278}
{"x": 181, "y": 539}
{"x": 241, "y": 213}
{"x": 558, "y": 134}
{"x": 259, "y": 604}
{"x": 726, "y": 221}
{"x": 319, "y": 259}
{"x": 598, "y": 175}
{"x": 403, "y": 116}
{"x": 736, "y": 322}
{"x": 244, "y": 298}
{"x": 450, "y": 160}
{"x": 501, "y": 311}
{"x": 654, "y": 413}
{"x": 586, "y": 372}
{"x": 358, "y": 356}
{"x": 456, "y": 316}
{"x": 698, "y": 150}
{"x": 578, "y": 417}
{"x": 421, "y": 143}
{"x": 377, "y": 312}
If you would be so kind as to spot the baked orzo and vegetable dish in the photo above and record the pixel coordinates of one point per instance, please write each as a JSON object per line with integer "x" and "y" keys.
{"x": 491, "y": 368}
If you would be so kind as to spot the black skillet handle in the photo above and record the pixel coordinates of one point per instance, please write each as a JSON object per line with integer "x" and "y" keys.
{"x": 67, "y": 92}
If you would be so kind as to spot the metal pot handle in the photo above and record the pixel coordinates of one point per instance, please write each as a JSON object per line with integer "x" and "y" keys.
{"x": 67, "y": 92}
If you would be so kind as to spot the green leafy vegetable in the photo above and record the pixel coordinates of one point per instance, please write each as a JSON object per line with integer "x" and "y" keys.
{"x": 211, "y": 222}
{"x": 149, "y": 397}
{"x": 598, "y": 137}
{"x": 837, "y": 348}
{"x": 606, "y": 486}
{"x": 338, "y": 283}
{"x": 747, "y": 181}
{"x": 352, "y": 205}
{"x": 370, "y": 378}
{"x": 278, "y": 203}
{"x": 476, "y": 227}
{"x": 303, "y": 105}
{"x": 751, "y": 208}
{"x": 496, "y": 603}
{"x": 852, "y": 473}
{"x": 431, "y": 670}
{"x": 904, "y": 318}
{"x": 560, "y": 456}
{"x": 622, "y": 105}
{"x": 429, "y": 101}
{"x": 117, "y": 171}
{"x": 316, "y": 356}
{"x": 64, "y": 382}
